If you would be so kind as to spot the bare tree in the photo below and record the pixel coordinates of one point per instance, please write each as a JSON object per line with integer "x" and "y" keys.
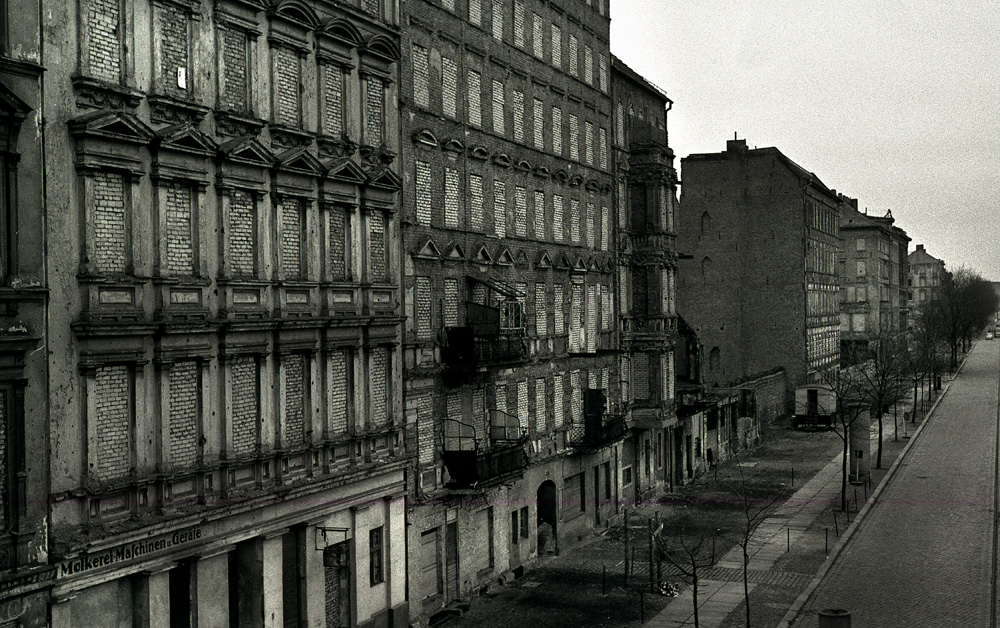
{"x": 685, "y": 545}
{"x": 881, "y": 365}
{"x": 847, "y": 397}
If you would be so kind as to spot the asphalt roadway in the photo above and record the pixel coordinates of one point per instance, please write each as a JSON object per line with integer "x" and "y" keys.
{"x": 924, "y": 553}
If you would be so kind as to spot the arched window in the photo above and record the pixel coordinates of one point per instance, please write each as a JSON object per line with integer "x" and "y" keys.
{"x": 714, "y": 359}
{"x": 706, "y": 269}
{"x": 706, "y": 223}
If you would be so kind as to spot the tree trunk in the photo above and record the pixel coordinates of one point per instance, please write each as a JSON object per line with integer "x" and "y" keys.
{"x": 694, "y": 589}
{"x": 746, "y": 578}
{"x": 878, "y": 458}
{"x": 843, "y": 475}
{"x": 913, "y": 412}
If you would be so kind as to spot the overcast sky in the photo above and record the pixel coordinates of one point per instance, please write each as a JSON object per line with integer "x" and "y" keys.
{"x": 895, "y": 103}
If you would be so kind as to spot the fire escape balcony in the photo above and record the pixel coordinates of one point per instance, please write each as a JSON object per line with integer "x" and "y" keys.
{"x": 491, "y": 336}
{"x": 477, "y": 462}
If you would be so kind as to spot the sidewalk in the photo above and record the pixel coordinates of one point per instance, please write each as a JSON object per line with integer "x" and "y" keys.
{"x": 788, "y": 548}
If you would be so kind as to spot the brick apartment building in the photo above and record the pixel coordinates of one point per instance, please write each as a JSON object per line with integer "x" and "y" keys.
{"x": 758, "y": 276}
{"x": 511, "y": 369}
{"x": 926, "y": 273}
{"x": 647, "y": 270}
{"x": 222, "y": 256}
{"x": 873, "y": 270}
{"x": 25, "y": 575}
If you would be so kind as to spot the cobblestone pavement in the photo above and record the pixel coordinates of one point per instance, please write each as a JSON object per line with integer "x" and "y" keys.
{"x": 922, "y": 554}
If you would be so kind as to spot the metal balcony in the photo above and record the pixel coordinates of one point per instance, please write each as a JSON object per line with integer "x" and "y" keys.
{"x": 599, "y": 428}
{"x": 476, "y": 462}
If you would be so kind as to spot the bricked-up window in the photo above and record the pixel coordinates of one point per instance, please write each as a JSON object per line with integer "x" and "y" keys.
{"x": 497, "y": 20}
{"x": 671, "y": 377}
{"x": 423, "y": 183}
{"x": 500, "y": 396}
{"x": 449, "y": 87}
{"x": 576, "y": 398}
{"x": 174, "y": 43}
{"x": 114, "y": 391}
{"x": 620, "y": 126}
{"x": 539, "y": 121}
{"x": 242, "y": 233}
{"x": 338, "y": 229}
{"x": 591, "y": 216}
{"x": 245, "y": 399}
{"x": 520, "y": 211}
{"x": 574, "y": 138}
{"x": 235, "y": 71}
{"x": 558, "y": 404}
{"x": 448, "y": 4}
{"x": 541, "y": 311}
{"x": 377, "y": 267}
{"x": 588, "y": 65}
{"x": 539, "y": 215}
{"x": 558, "y": 303}
{"x": 421, "y": 76}
{"x": 292, "y": 225}
{"x": 425, "y": 431}
{"x": 180, "y": 232}
{"x": 333, "y": 100}
{"x": 372, "y": 7}
{"x": 340, "y": 373}
{"x": 287, "y": 107}
{"x": 518, "y": 115}
{"x": 589, "y": 142}
{"x": 557, "y": 217}
{"x": 500, "y": 208}
{"x": 523, "y": 418}
{"x": 7, "y": 498}
{"x": 574, "y": 55}
{"x": 476, "y": 12}
{"x": 452, "y": 197}
{"x": 556, "y": 46}
{"x": 498, "y": 104}
{"x": 374, "y": 111}
{"x": 519, "y": 23}
{"x": 422, "y": 304}
{"x": 536, "y": 36}
{"x": 104, "y": 38}
{"x": 605, "y": 227}
{"x": 574, "y": 221}
{"x": 602, "y": 145}
{"x": 605, "y": 295}
{"x": 451, "y": 299}
{"x": 557, "y": 131}
{"x": 376, "y": 556}
{"x": 184, "y": 381}
{"x": 540, "y": 405}
{"x": 603, "y": 70}
{"x": 640, "y": 364}
{"x": 378, "y": 386}
{"x": 624, "y": 380}
{"x": 475, "y": 112}
{"x": 591, "y": 323}
{"x": 294, "y": 369}
{"x": 576, "y": 318}
{"x": 110, "y": 221}
{"x": 477, "y": 200}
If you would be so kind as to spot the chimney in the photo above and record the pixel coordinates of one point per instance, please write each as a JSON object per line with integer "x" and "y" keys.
{"x": 736, "y": 146}
{"x": 920, "y": 247}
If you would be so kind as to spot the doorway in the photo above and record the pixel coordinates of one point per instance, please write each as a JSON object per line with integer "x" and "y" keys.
{"x": 546, "y": 518}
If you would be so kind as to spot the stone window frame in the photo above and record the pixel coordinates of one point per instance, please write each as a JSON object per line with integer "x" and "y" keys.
{"x": 191, "y": 8}
{"x": 165, "y": 363}
{"x": 131, "y": 191}
{"x": 367, "y": 276}
{"x": 125, "y": 37}
{"x": 198, "y": 189}
{"x": 351, "y": 355}
{"x": 291, "y": 27}
{"x": 305, "y": 209}
{"x": 89, "y": 364}
{"x": 308, "y": 356}
{"x": 224, "y": 22}
{"x": 257, "y": 198}
{"x": 350, "y": 212}
{"x": 367, "y": 364}
{"x": 260, "y": 356}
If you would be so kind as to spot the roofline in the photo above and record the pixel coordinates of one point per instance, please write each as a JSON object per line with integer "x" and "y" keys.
{"x": 795, "y": 168}
{"x": 622, "y": 67}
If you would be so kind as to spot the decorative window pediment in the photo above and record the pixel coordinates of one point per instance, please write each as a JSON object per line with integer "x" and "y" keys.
{"x": 301, "y": 161}
{"x": 580, "y": 266}
{"x": 563, "y": 263}
{"x": 342, "y": 32}
{"x": 247, "y": 150}
{"x": 504, "y": 258}
{"x": 385, "y": 179}
{"x": 561, "y": 176}
{"x": 576, "y": 181}
{"x": 483, "y": 256}
{"x": 383, "y": 48}
{"x": 593, "y": 266}
{"x": 524, "y": 166}
{"x": 346, "y": 171}
{"x": 110, "y": 139}
{"x": 542, "y": 172}
{"x": 544, "y": 261}
{"x": 593, "y": 185}
{"x": 454, "y": 146}
{"x": 455, "y": 253}
{"x": 479, "y": 152}
{"x": 426, "y": 138}
{"x": 185, "y": 138}
{"x": 428, "y": 251}
{"x": 521, "y": 259}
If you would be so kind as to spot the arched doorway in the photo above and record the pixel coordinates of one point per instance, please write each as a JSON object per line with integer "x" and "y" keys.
{"x": 546, "y": 519}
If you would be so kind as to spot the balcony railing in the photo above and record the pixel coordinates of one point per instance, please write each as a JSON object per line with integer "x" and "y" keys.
{"x": 648, "y": 324}
{"x": 475, "y": 461}
{"x": 594, "y": 435}
{"x": 491, "y": 336}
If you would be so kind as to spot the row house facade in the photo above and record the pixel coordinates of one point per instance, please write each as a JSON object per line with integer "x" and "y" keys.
{"x": 759, "y": 266}
{"x": 873, "y": 273}
{"x": 926, "y": 275}
{"x": 25, "y": 573}
{"x": 223, "y": 240}
{"x": 645, "y": 203}
{"x": 511, "y": 373}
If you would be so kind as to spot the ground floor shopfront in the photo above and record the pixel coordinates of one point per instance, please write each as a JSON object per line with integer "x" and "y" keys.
{"x": 334, "y": 557}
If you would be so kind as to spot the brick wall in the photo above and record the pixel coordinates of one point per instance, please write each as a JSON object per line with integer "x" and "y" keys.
{"x": 374, "y": 111}
{"x": 242, "y": 243}
{"x": 336, "y": 230}
{"x": 294, "y": 368}
{"x": 425, "y": 431}
{"x": 113, "y": 408}
{"x": 174, "y": 49}
{"x": 378, "y": 386}
{"x": 337, "y": 381}
{"x": 291, "y": 237}
{"x": 235, "y": 94}
{"x": 103, "y": 24}
{"x": 286, "y": 85}
{"x": 376, "y": 246}
{"x": 110, "y": 232}
{"x": 184, "y": 404}
{"x": 245, "y": 396}
{"x": 179, "y": 241}
{"x": 421, "y": 76}
{"x": 333, "y": 101}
